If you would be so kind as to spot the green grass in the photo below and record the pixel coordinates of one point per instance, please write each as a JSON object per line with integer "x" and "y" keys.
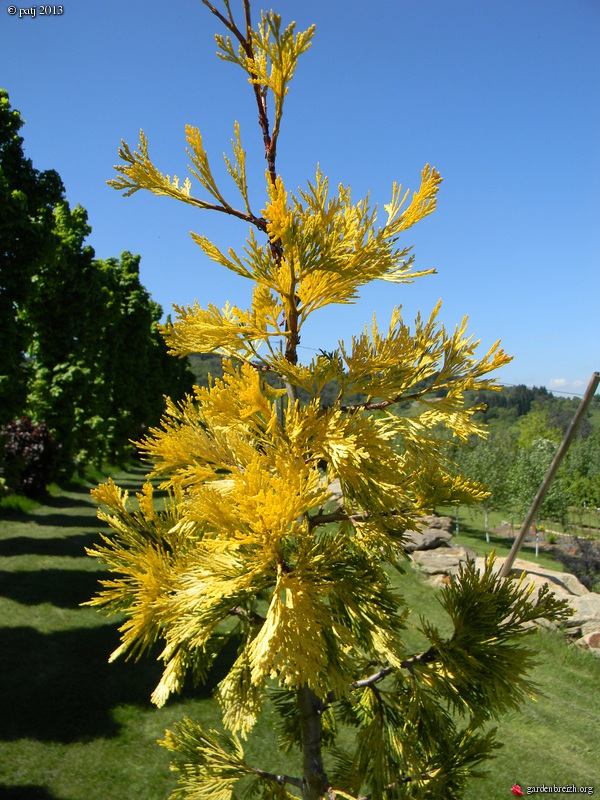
{"x": 73, "y": 727}
{"x": 471, "y": 528}
{"x": 16, "y": 504}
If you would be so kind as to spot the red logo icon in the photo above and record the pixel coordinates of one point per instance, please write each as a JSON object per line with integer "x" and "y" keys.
{"x": 517, "y": 791}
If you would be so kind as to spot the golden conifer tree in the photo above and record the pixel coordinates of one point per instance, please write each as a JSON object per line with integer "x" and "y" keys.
{"x": 249, "y": 546}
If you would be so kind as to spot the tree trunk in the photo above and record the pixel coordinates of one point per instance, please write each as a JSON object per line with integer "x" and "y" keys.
{"x": 315, "y": 783}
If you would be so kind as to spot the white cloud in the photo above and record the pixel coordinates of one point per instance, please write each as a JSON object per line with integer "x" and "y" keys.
{"x": 566, "y": 386}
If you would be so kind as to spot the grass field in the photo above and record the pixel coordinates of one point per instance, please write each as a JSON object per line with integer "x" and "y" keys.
{"x": 73, "y": 727}
{"x": 472, "y": 534}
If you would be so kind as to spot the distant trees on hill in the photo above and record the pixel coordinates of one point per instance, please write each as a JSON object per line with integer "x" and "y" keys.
{"x": 80, "y": 350}
{"x": 526, "y": 428}
{"x": 205, "y": 364}
{"x": 517, "y": 401}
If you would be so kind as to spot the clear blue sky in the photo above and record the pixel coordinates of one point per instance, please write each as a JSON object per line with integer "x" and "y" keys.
{"x": 502, "y": 96}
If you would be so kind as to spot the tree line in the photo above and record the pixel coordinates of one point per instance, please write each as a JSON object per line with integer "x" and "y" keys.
{"x": 524, "y": 438}
{"x": 81, "y": 349}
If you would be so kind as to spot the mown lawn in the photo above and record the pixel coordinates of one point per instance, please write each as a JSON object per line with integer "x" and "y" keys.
{"x": 471, "y": 533}
{"x": 73, "y": 727}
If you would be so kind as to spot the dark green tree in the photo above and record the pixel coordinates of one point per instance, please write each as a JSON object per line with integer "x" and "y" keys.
{"x": 27, "y": 199}
{"x": 100, "y": 364}
{"x": 134, "y": 360}
{"x": 80, "y": 348}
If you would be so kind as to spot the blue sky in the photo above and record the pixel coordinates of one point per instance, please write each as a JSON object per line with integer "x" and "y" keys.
{"x": 502, "y": 96}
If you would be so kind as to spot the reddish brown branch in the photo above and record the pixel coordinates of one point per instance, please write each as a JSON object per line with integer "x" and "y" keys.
{"x": 259, "y": 222}
{"x": 261, "y": 101}
{"x": 370, "y": 406}
{"x": 229, "y": 23}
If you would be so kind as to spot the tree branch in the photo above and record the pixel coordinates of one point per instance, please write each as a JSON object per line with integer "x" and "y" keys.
{"x": 372, "y": 679}
{"x": 259, "y": 222}
{"x": 249, "y": 616}
{"x": 260, "y": 94}
{"x": 229, "y": 23}
{"x": 423, "y": 658}
{"x": 370, "y": 406}
{"x": 259, "y": 91}
{"x": 409, "y": 663}
{"x": 401, "y": 398}
{"x": 339, "y": 515}
{"x": 279, "y": 779}
{"x": 259, "y": 367}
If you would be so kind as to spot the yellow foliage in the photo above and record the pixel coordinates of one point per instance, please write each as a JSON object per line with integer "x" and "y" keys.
{"x": 249, "y": 542}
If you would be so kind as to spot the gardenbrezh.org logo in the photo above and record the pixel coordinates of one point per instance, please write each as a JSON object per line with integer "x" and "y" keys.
{"x": 551, "y": 789}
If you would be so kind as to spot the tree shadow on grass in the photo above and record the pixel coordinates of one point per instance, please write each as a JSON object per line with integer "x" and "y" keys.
{"x": 60, "y": 687}
{"x": 63, "y": 520}
{"x": 64, "y": 588}
{"x": 62, "y": 500}
{"x": 499, "y": 541}
{"x": 52, "y": 546}
{"x": 26, "y": 793}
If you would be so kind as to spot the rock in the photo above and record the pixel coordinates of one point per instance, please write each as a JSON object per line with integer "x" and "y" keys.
{"x": 433, "y": 521}
{"x": 587, "y": 614}
{"x": 439, "y": 580}
{"x": 572, "y": 584}
{"x": 427, "y": 539}
{"x": 562, "y": 584}
{"x": 443, "y": 560}
{"x": 336, "y": 490}
{"x": 585, "y": 604}
{"x": 591, "y": 642}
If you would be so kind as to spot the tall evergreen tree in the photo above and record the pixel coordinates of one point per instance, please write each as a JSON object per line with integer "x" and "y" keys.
{"x": 27, "y": 199}
{"x": 101, "y": 368}
{"x": 251, "y": 546}
{"x": 80, "y": 350}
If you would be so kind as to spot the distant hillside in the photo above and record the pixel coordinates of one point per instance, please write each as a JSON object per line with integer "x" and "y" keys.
{"x": 503, "y": 407}
{"x": 512, "y": 402}
{"x": 205, "y": 364}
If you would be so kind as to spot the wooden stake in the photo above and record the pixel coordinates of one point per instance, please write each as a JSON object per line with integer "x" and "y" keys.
{"x": 587, "y": 399}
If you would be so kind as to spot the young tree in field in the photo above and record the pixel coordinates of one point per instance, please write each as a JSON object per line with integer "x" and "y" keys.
{"x": 250, "y": 548}
{"x": 582, "y": 471}
{"x": 528, "y": 472}
{"x": 489, "y": 462}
